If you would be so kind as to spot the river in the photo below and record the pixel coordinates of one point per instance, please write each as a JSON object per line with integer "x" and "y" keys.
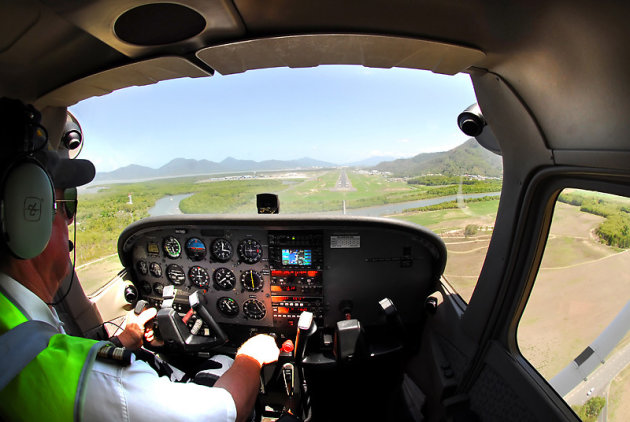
{"x": 170, "y": 205}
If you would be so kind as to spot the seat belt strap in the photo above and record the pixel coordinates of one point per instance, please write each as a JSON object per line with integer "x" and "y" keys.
{"x": 20, "y": 345}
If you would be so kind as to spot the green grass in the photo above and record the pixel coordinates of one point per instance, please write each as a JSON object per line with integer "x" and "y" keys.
{"x": 102, "y": 216}
{"x": 453, "y": 218}
{"x": 222, "y": 197}
{"x": 368, "y": 190}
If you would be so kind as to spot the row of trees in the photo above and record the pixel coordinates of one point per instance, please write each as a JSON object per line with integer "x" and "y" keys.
{"x": 449, "y": 204}
{"x": 442, "y": 180}
{"x": 615, "y": 229}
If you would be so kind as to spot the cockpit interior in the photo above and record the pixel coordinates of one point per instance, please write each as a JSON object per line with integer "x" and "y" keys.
{"x": 373, "y": 317}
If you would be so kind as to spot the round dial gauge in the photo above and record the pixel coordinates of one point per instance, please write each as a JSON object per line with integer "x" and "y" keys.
{"x": 254, "y": 309}
{"x": 172, "y": 247}
{"x": 222, "y": 250}
{"x": 145, "y": 288}
{"x": 175, "y": 274}
{"x": 199, "y": 276}
{"x": 251, "y": 281}
{"x": 142, "y": 267}
{"x": 224, "y": 279}
{"x": 155, "y": 269}
{"x": 195, "y": 249}
{"x": 158, "y": 288}
{"x": 227, "y": 306}
{"x": 250, "y": 251}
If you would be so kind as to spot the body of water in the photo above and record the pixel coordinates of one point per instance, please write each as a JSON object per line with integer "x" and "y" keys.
{"x": 168, "y": 205}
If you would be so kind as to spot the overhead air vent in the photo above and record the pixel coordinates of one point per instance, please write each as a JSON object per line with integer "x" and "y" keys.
{"x": 158, "y": 24}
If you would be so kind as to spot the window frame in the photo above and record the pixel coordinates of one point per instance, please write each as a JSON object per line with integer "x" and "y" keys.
{"x": 537, "y": 210}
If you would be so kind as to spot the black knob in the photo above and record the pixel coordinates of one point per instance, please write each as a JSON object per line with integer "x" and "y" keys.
{"x": 431, "y": 305}
{"x": 72, "y": 140}
{"x": 471, "y": 121}
{"x": 131, "y": 294}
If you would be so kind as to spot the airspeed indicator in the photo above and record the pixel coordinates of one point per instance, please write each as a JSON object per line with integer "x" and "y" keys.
{"x": 172, "y": 247}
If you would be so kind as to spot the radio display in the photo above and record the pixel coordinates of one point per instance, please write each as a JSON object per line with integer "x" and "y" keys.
{"x": 301, "y": 257}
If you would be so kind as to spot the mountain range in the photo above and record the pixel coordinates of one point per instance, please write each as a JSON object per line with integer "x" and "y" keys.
{"x": 467, "y": 158}
{"x": 188, "y": 166}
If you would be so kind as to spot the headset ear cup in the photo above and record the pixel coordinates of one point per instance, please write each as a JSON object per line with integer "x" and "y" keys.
{"x": 27, "y": 209}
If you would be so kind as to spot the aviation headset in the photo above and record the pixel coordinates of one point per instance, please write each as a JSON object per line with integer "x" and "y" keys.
{"x": 27, "y": 193}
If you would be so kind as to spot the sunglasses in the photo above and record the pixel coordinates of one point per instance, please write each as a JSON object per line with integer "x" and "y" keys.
{"x": 69, "y": 202}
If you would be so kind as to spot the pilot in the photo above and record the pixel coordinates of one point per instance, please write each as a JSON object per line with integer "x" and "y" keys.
{"x": 46, "y": 374}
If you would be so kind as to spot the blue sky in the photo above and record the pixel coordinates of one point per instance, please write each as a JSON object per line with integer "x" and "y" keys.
{"x": 331, "y": 113}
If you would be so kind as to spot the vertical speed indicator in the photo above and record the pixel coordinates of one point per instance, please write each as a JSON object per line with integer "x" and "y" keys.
{"x": 251, "y": 281}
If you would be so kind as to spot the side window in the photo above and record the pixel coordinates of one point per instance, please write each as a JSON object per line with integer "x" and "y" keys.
{"x": 574, "y": 329}
{"x": 102, "y": 213}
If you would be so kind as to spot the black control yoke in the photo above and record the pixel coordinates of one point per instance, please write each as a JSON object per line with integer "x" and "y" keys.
{"x": 176, "y": 333}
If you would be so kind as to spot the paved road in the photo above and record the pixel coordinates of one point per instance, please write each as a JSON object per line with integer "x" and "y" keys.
{"x": 600, "y": 378}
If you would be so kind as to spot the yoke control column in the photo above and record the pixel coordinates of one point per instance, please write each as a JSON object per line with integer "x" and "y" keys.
{"x": 174, "y": 330}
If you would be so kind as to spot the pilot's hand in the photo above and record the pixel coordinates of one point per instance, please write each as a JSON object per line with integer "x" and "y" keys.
{"x": 149, "y": 336}
{"x": 261, "y": 348}
{"x": 132, "y": 335}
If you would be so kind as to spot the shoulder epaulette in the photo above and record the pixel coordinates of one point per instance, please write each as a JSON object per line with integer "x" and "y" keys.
{"x": 118, "y": 355}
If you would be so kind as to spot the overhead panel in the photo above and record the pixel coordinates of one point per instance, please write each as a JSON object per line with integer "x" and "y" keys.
{"x": 313, "y": 50}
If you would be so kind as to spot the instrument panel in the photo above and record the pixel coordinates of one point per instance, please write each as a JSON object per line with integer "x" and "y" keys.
{"x": 261, "y": 272}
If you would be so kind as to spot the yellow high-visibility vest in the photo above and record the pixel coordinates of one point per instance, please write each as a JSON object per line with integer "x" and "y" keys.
{"x": 50, "y": 387}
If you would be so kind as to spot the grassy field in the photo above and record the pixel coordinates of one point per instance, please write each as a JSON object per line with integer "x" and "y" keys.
{"x": 580, "y": 288}
{"x": 96, "y": 274}
{"x": 619, "y": 397}
{"x": 103, "y": 215}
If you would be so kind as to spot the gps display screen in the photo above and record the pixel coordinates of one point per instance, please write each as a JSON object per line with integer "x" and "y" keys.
{"x": 301, "y": 257}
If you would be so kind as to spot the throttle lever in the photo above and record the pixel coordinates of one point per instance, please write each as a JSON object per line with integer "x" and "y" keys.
{"x": 393, "y": 318}
{"x": 306, "y": 328}
{"x": 140, "y": 306}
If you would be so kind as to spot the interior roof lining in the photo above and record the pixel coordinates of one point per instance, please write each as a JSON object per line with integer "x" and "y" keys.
{"x": 293, "y": 51}
{"x": 380, "y": 51}
{"x": 135, "y": 74}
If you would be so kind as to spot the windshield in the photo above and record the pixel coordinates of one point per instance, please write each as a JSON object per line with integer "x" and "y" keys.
{"x": 332, "y": 139}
